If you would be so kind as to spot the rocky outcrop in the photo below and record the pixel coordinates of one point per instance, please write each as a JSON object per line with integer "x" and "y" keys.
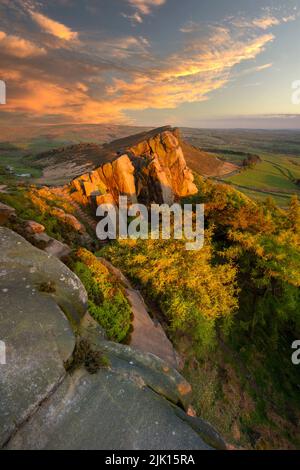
{"x": 50, "y": 245}
{"x": 148, "y": 335}
{"x": 6, "y": 213}
{"x": 72, "y": 231}
{"x": 131, "y": 400}
{"x": 68, "y": 219}
{"x": 38, "y": 336}
{"x": 150, "y": 168}
{"x": 32, "y": 227}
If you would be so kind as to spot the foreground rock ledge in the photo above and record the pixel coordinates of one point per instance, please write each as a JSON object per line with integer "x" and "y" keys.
{"x": 136, "y": 402}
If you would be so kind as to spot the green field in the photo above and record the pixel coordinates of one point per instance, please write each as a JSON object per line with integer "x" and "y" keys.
{"x": 20, "y": 163}
{"x": 275, "y": 176}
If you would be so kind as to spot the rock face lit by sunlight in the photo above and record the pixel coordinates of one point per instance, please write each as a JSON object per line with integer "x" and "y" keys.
{"x": 152, "y": 168}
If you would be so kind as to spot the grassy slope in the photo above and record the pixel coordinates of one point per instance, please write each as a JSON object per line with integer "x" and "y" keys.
{"x": 275, "y": 176}
{"x": 20, "y": 164}
{"x": 279, "y": 150}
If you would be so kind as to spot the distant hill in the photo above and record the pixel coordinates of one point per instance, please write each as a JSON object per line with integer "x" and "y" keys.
{"x": 206, "y": 164}
{"x": 66, "y": 133}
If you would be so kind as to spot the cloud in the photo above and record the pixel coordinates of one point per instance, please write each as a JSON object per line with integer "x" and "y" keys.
{"x": 71, "y": 103}
{"x": 188, "y": 75}
{"x": 145, "y": 6}
{"x": 189, "y": 27}
{"x": 266, "y": 22}
{"x": 263, "y": 67}
{"x": 101, "y": 78}
{"x": 135, "y": 17}
{"x": 142, "y": 8}
{"x": 55, "y": 28}
{"x": 263, "y": 22}
{"x": 122, "y": 48}
{"x": 18, "y": 47}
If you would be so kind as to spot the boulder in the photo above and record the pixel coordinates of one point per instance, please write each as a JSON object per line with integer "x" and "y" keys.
{"x": 168, "y": 167}
{"x": 103, "y": 199}
{"x": 74, "y": 223}
{"x": 32, "y": 227}
{"x": 35, "y": 291}
{"x": 6, "y": 212}
{"x": 68, "y": 219}
{"x": 106, "y": 411}
{"x": 135, "y": 403}
{"x": 51, "y": 245}
{"x": 131, "y": 400}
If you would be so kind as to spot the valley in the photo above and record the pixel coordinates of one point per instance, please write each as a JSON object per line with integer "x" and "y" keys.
{"x": 277, "y": 175}
{"x": 64, "y": 152}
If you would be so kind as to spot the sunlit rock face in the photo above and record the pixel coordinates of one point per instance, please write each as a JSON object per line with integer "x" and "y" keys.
{"x": 150, "y": 170}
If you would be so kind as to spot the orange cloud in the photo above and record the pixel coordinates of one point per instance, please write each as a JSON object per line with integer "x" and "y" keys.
{"x": 214, "y": 60}
{"x": 187, "y": 76}
{"x": 179, "y": 80}
{"x": 19, "y": 47}
{"x": 266, "y": 22}
{"x": 142, "y": 8}
{"x": 202, "y": 66}
{"x": 42, "y": 98}
{"x": 263, "y": 67}
{"x": 145, "y": 6}
{"x": 55, "y": 28}
{"x": 10, "y": 74}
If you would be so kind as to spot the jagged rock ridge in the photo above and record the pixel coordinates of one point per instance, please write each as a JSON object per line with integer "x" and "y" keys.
{"x": 149, "y": 167}
{"x": 63, "y": 164}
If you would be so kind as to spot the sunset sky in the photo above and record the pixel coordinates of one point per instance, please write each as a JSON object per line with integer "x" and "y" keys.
{"x": 197, "y": 63}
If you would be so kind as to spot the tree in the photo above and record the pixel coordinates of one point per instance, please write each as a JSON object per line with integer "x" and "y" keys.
{"x": 294, "y": 214}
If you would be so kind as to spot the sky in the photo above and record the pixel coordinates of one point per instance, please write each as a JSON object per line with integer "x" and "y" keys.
{"x": 195, "y": 63}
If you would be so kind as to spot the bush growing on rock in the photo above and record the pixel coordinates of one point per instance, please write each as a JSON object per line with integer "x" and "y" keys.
{"x": 107, "y": 302}
{"x": 245, "y": 282}
{"x": 41, "y": 206}
{"x": 192, "y": 293}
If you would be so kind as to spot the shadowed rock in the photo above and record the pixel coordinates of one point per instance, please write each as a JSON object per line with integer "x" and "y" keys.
{"x": 37, "y": 334}
{"x": 6, "y": 212}
{"x": 131, "y": 400}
